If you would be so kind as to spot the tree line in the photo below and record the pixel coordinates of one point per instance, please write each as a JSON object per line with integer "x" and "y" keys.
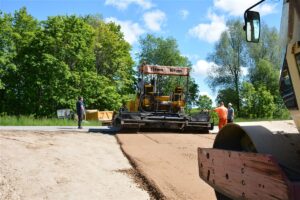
{"x": 45, "y": 65}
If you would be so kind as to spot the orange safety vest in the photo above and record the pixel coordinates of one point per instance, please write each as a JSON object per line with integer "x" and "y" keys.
{"x": 222, "y": 112}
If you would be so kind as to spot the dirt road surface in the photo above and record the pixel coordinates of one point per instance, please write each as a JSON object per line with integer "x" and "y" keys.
{"x": 169, "y": 161}
{"x": 53, "y": 163}
{"x": 64, "y": 165}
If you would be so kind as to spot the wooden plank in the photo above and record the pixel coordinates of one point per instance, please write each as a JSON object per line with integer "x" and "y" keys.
{"x": 242, "y": 175}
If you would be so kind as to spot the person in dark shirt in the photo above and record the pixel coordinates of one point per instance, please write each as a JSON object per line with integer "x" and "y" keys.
{"x": 140, "y": 86}
{"x": 230, "y": 113}
{"x": 80, "y": 111}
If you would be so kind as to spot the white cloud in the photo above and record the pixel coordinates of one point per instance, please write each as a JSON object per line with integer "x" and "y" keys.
{"x": 207, "y": 94}
{"x": 184, "y": 13}
{"x": 131, "y": 30}
{"x": 237, "y": 7}
{"x": 154, "y": 20}
{"x": 202, "y": 67}
{"x": 244, "y": 71}
{"x": 123, "y": 4}
{"x": 266, "y": 9}
{"x": 209, "y": 32}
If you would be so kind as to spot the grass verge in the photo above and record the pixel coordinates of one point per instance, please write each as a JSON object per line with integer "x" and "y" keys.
{"x": 31, "y": 121}
{"x": 238, "y": 119}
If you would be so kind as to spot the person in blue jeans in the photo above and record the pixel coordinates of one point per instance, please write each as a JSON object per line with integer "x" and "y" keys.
{"x": 80, "y": 111}
{"x": 230, "y": 113}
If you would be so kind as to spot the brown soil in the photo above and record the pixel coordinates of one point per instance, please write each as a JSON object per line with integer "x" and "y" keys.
{"x": 169, "y": 162}
{"x": 143, "y": 183}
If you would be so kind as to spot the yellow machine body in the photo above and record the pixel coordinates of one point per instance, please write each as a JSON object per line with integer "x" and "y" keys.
{"x": 174, "y": 102}
{"x": 154, "y": 108}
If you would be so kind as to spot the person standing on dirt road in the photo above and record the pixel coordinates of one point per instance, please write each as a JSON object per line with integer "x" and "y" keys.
{"x": 80, "y": 111}
{"x": 222, "y": 114}
{"x": 230, "y": 114}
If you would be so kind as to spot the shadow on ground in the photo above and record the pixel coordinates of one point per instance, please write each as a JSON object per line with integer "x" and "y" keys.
{"x": 106, "y": 130}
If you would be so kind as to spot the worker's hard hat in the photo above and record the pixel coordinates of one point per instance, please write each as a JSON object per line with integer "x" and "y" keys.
{"x": 229, "y": 104}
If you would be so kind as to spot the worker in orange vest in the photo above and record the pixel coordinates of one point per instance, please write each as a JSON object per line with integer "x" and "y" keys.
{"x": 222, "y": 114}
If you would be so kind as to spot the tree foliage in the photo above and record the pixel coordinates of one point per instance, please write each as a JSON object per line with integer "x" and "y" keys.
{"x": 45, "y": 65}
{"x": 264, "y": 73}
{"x": 264, "y": 66}
{"x": 257, "y": 103}
{"x": 161, "y": 51}
{"x": 228, "y": 58}
{"x": 7, "y": 47}
{"x": 268, "y": 48}
{"x": 112, "y": 54}
{"x": 227, "y": 96}
{"x": 254, "y": 95}
{"x": 204, "y": 102}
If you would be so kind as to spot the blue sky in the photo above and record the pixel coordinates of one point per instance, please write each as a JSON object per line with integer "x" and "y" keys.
{"x": 195, "y": 24}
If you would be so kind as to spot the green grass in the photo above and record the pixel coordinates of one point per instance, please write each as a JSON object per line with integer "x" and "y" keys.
{"x": 215, "y": 117}
{"x": 256, "y": 120}
{"x": 31, "y": 121}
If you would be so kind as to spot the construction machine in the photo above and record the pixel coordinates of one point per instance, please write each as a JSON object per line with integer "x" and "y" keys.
{"x": 157, "y": 107}
{"x": 251, "y": 162}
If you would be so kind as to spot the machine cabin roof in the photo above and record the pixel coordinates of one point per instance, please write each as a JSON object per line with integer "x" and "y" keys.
{"x": 165, "y": 70}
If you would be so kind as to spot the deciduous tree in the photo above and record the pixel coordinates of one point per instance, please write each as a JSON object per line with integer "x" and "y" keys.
{"x": 257, "y": 103}
{"x": 228, "y": 56}
{"x": 204, "y": 102}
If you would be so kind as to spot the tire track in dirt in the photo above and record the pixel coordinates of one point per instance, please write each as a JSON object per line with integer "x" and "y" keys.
{"x": 138, "y": 176}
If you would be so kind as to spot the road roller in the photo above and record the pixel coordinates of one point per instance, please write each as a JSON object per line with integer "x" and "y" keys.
{"x": 160, "y": 108}
{"x": 251, "y": 162}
